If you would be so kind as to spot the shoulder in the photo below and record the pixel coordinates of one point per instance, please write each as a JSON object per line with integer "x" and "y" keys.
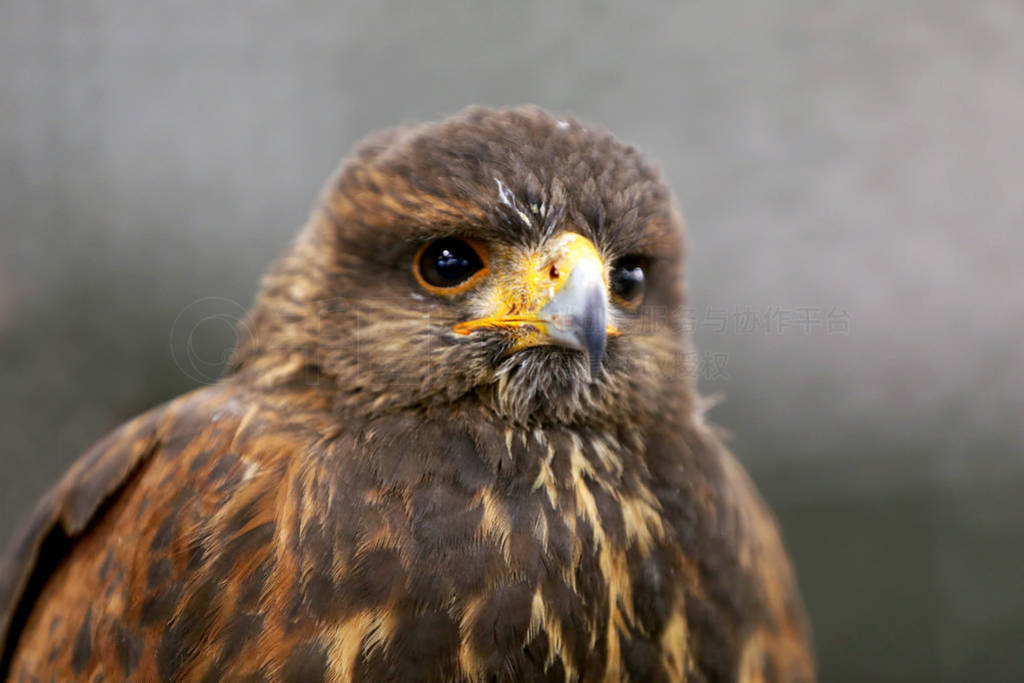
{"x": 70, "y": 507}
{"x": 742, "y": 597}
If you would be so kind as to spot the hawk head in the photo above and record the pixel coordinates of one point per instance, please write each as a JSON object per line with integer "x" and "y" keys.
{"x": 506, "y": 259}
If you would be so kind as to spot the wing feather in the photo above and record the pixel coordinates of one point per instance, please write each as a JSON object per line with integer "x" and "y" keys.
{"x": 64, "y": 513}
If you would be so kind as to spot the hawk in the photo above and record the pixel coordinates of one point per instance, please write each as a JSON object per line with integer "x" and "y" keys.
{"x": 458, "y": 441}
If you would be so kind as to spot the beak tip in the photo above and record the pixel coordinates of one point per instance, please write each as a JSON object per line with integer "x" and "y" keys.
{"x": 595, "y": 358}
{"x": 594, "y": 331}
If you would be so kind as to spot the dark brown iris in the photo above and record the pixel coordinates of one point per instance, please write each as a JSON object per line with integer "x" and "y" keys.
{"x": 629, "y": 280}
{"x": 449, "y": 265}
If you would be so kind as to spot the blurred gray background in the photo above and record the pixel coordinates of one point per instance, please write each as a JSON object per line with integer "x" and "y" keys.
{"x": 851, "y": 173}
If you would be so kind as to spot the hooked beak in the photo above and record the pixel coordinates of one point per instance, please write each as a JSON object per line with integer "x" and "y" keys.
{"x": 557, "y": 296}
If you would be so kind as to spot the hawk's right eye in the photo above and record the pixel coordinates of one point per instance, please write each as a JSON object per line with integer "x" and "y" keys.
{"x": 450, "y": 265}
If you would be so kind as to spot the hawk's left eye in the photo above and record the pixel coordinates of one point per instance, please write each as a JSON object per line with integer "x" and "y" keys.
{"x": 449, "y": 265}
{"x": 628, "y": 280}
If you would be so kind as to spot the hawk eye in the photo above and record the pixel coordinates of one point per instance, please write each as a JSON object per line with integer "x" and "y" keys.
{"x": 628, "y": 280}
{"x": 449, "y": 265}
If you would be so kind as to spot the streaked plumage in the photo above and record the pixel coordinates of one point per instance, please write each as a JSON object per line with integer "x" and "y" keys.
{"x": 371, "y": 495}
